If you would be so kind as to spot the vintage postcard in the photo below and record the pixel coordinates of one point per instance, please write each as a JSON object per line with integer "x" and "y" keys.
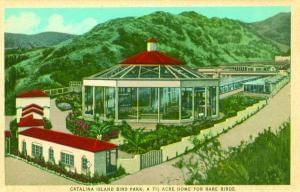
{"x": 149, "y": 97}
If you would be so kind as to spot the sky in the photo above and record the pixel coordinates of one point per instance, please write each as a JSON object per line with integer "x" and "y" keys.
{"x": 81, "y": 20}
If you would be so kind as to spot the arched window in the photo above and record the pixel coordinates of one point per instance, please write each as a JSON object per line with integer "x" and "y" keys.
{"x": 24, "y": 150}
{"x": 51, "y": 154}
{"x": 84, "y": 163}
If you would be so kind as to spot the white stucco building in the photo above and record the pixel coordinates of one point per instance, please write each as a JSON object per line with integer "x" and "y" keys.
{"x": 75, "y": 153}
{"x": 31, "y": 108}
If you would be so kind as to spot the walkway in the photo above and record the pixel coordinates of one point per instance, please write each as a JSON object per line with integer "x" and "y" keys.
{"x": 18, "y": 172}
{"x": 276, "y": 112}
{"x": 58, "y": 118}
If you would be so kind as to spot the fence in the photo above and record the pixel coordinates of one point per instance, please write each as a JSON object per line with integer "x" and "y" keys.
{"x": 151, "y": 158}
{"x": 175, "y": 149}
{"x": 57, "y": 91}
{"x": 74, "y": 86}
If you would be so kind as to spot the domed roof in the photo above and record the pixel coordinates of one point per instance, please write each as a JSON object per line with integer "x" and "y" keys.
{"x": 151, "y": 57}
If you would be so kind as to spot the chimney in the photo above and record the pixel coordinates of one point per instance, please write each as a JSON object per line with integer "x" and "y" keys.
{"x": 151, "y": 44}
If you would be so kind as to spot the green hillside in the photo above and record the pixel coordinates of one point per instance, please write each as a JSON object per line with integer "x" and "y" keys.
{"x": 45, "y": 39}
{"x": 189, "y": 36}
{"x": 276, "y": 28}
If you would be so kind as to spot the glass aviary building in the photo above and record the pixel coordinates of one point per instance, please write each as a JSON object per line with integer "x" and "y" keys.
{"x": 150, "y": 87}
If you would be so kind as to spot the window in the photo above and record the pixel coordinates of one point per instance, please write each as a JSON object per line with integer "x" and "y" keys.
{"x": 51, "y": 155}
{"x": 36, "y": 150}
{"x": 67, "y": 159}
{"x": 24, "y": 151}
{"x": 84, "y": 163}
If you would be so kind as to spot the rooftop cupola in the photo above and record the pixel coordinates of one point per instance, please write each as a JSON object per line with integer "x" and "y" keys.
{"x": 151, "y": 44}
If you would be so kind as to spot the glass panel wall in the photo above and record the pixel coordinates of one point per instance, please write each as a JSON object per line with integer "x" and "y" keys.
{"x": 186, "y": 103}
{"x": 169, "y": 103}
{"x": 148, "y": 103}
{"x": 109, "y": 102}
{"x": 199, "y": 102}
{"x": 88, "y": 100}
{"x": 127, "y": 103}
{"x": 99, "y": 101}
{"x": 212, "y": 106}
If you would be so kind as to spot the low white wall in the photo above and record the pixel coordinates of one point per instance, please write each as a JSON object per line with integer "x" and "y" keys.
{"x": 131, "y": 165}
{"x": 175, "y": 149}
{"x": 179, "y": 148}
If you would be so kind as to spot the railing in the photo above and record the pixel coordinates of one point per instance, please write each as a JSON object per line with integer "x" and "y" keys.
{"x": 57, "y": 91}
{"x": 74, "y": 86}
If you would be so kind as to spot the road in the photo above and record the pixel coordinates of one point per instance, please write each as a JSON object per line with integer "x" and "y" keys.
{"x": 18, "y": 172}
{"x": 58, "y": 118}
{"x": 277, "y": 111}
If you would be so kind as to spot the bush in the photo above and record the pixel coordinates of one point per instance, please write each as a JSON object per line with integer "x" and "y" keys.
{"x": 69, "y": 101}
{"x": 64, "y": 106}
{"x": 47, "y": 123}
{"x": 265, "y": 160}
{"x": 59, "y": 169}
{"x": 14, "y": 137}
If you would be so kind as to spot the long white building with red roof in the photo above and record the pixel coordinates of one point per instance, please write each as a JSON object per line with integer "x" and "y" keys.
{"x": 77, "y": 154}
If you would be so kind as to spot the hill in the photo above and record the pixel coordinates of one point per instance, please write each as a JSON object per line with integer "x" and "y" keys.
{"x": 276, "y": 28}
{"x": 23, "y": 41}
{"x": 189, "y": 36}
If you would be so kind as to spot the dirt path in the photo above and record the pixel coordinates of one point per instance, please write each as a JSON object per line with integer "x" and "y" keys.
{"x": 18, "y": 172}
{"x": 276, "y": 112}
{"x": 58, "y": 118}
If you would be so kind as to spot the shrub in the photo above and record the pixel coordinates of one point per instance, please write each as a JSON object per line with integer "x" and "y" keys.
{"x": 265, "y": 160}
{"x": 64, "y": 106}
{"x": 47, "y": 123}
{"x": 14, "y": 137}
{"x": 60, "y": 169}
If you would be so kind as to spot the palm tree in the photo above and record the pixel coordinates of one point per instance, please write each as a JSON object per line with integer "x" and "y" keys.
{"x": 98, "y": 130}
{"x": 133, "y": 139}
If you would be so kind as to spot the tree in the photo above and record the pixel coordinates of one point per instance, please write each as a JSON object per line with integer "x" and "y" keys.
{"x": 14, "y": 136}
{"x": 47, "y": 123}
{"x": 98, "y": 130}
{"x": 134, "y": 139}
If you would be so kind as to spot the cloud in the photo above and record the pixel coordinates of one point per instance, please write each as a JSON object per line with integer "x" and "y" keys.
{"x": 25, "y": 22}
{"x": 57, "y": 23}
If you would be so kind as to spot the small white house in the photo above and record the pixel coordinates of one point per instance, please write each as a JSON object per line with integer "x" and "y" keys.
{"x": 282, "y": 58}
{"x": 80, "y": 154}
{"x": 35, "y": 103}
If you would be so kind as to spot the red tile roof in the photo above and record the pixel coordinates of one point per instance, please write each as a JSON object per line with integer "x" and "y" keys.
{"x": 30, "y": 110}
{"x": 29, "y": 121}
{"x": 7, "y": 134}
{"x": 152, "y": 40}
{"x": 74, "y": 141}
{"x": 151, "y": 57}
{"x": 32, "y": 106}
{"x": 33, "y": 93}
